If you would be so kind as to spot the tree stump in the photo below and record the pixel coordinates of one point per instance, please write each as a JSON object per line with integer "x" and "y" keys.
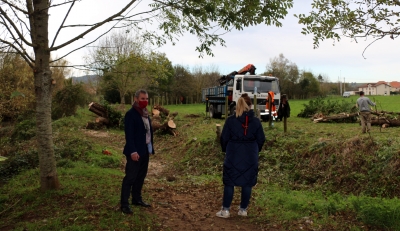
{"x": 218, "y": 132}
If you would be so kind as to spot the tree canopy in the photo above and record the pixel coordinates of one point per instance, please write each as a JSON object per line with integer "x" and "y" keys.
{"x": 331, "y": 19}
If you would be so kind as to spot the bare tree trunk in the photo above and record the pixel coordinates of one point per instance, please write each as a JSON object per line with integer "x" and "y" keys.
{"x": 43, "y": 90}
{"x": 122, "y": 98}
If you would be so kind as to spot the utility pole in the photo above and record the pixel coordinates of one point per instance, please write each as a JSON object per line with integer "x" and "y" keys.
{"x": 344, "y": 84}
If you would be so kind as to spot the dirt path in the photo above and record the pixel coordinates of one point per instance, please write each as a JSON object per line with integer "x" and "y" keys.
{"x": 184, "y": 206}
{"x": 181, "y": 205}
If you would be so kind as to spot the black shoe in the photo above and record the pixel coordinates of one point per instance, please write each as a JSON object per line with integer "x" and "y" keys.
{"x": 141, "y": 203}
{"x": 126, "y": 210}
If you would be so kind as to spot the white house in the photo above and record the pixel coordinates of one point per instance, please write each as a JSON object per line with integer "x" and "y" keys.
{"x": 379, "y": 88}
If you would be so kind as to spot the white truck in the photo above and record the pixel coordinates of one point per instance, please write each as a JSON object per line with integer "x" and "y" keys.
{"x": 234, "y": 85}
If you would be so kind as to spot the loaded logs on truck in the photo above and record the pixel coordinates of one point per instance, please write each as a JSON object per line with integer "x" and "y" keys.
{"x": 163, "y": 120}
{"x": 250, "y": 68}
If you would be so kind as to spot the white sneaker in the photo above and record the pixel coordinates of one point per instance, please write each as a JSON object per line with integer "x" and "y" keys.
{"x": 223, "y": 213}
{"x": 242, "y": 212}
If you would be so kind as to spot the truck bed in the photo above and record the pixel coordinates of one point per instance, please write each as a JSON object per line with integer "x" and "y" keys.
{"x": 217, "y": 91}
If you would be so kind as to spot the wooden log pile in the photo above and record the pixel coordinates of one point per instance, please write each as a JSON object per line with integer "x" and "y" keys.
{"x": 341, "y": 117}
{"x": 102, "y": 119}
{"x": 382, "y": 118}
{"x": 385, "y": 119}
{"x": 163, "y": 120}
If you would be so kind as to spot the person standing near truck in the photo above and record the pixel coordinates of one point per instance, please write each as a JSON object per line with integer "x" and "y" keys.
{"x": 284, "y": 108}
{"x": 242, "y": 139}
{"x": 365, "y": 112}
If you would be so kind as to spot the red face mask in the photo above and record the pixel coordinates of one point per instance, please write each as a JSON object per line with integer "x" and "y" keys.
{"x": 143, "y": 104}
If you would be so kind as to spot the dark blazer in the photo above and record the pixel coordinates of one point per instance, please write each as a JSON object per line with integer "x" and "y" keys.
{"x": 135, "y": 134}
{"x": 241, "y": 158}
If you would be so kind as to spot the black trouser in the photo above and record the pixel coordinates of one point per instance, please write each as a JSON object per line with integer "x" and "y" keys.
{"x": 135, "y": 172}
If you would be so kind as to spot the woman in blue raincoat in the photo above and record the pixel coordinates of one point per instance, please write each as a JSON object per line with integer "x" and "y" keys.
{"x": 242, "y": 139}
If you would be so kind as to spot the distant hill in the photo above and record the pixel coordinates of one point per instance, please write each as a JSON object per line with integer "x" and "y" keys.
{"x": 85, "y": 78}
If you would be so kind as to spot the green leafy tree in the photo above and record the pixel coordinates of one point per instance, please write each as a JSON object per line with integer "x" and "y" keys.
{"x": 25, "y": 30}
{"x": 286, "y": 71}
{"x": 354, "y": 19}
{"x": 67, "y": 100}
{"x": 121, "y": 58}
{"x": 16, "y": 88}
{"x": 308, "y": 85}
{"x": 183, "y": 82}
{"x": 161, "y": 74}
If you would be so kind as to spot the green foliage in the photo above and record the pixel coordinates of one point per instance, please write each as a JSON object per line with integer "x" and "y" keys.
{"x": 84, "y": 202}
{"x": 17, "y": 162}
{"x": 67, "y": 100}
{"x": 353, "y": 19}
{"x": 379, "y": 212}
{"x": 73, "y": 149}
{"x": 24, "y": 130}
{"x": 201, "y": 18}
{"x": 327, "y": 107}
{"x": 16, "y": 88}
{"x": 116, "y": 119}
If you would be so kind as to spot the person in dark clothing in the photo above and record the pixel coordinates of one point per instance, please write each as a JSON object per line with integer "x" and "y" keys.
{"x": 138, "y": 147}
{"x": 242, "y": 139}
{"x": 284, "y": 108}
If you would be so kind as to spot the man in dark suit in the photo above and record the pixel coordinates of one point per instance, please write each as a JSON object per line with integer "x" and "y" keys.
{"x": 138, "y": 147}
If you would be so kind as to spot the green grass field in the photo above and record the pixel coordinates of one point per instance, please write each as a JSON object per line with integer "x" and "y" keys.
{"x": 385, "y": 103}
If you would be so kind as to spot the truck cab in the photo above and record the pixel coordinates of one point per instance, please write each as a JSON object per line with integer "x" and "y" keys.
{"x": 254, "y": 85}
{"x": 257, "y": 86}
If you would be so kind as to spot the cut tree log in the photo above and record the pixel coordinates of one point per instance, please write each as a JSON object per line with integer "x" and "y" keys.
{"x": 94, "y": 126}
{"x": 385, "y": 122}
{"x": 163, "y": 120}
{"x": 331, "y": 118}
{"x": 155, "y": 112}
{"x": 218, "y": 131}
{"x": 171, "y": 124}
{"x": 98, "y": 109}
{"x": 164, "y": 112}
{"x": 102, "y": 120}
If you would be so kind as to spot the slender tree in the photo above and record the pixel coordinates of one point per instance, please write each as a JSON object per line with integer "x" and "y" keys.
{"x": 25, "y": 29}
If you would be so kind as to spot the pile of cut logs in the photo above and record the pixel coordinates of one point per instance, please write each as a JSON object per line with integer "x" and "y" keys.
{"x": 382, "y": 118}
{"x": 386, "y": 119}
{"x": 101, "y": 120}
{"x": 163, "y": 120}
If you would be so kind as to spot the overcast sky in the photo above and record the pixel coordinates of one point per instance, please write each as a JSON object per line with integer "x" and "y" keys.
{"x": 257, "y": 45}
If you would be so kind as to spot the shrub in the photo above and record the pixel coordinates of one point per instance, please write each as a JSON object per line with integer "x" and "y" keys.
{"x": 67, "y": 100}
{"x": 17, "y": 162}
{"x": 116, "y": 119}
{"x": 24, "y": 130}
{"x": 74, "y": 149}
{"x": 326, "y": 107}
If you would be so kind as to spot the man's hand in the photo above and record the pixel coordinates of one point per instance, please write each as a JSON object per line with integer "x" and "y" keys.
{"x": 135, "y": 156}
